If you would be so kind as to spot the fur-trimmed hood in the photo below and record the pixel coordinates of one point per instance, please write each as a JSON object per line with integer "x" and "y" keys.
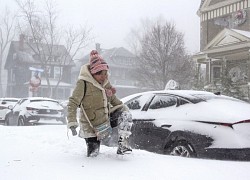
{"x": 86, "y": 76}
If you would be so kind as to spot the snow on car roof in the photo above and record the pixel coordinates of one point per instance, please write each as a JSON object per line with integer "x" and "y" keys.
{"x": 9, "y": 99}
{"x": 183, "y": 93}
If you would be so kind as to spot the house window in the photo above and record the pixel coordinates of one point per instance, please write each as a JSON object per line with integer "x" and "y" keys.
{"x": 56, "y": 59}
{"x": 228, "y": 10}
{"x": 234, "y": 7}
{"x": 57, "y": 72}
{"x": 238, "y": 6}
{"x": 48, "y": 70}
{"x": 224, "y": 10}
{"x": 216, "y": 72}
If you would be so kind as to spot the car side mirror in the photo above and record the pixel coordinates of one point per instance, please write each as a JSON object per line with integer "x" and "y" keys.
{"x": 10, "y": 107}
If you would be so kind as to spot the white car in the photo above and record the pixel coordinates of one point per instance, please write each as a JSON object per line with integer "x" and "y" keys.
{"x": 30, "y": 110}
{"x": 4, "y": 104}
{"x": 190, "y": 124}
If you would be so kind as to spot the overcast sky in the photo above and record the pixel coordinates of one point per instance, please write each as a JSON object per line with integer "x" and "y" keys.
{"x": 112, "y": 20}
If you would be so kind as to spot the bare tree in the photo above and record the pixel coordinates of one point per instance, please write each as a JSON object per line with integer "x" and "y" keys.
{"x": 7, "y": 34}
{"x": 162, "y": 56}
{"x": 41, "y": 26}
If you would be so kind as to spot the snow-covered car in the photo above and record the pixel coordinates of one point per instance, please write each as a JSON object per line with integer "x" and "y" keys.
{"x": 190, "y": 124}
{"x": 30, "y": 110}
{"x": 4, "y": 104}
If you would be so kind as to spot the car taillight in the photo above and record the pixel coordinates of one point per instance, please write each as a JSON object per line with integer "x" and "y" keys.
{"x": 226, "y": 124}
{"x": 243, "y": 121}
{"x": 218, "y": 123}
{"x": 32, "y": 110}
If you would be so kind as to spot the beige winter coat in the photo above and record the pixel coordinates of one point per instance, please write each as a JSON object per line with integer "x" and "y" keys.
{"x": 95, "y": 105}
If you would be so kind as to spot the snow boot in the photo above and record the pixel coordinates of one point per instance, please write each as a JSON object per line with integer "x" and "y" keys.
{"x": 93, "y": 146}
{"x": 123, "y": 146}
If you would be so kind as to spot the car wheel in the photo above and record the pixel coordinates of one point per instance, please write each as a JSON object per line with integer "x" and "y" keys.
{"x": 182, "y": 149}
{"x": 21, "y": 121}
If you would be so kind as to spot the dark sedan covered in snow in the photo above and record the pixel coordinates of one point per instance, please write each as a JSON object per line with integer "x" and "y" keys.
{"x": 190, "y": 124}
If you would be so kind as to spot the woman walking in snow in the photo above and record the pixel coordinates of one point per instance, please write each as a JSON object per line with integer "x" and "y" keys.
{"x": 96, "y": 98}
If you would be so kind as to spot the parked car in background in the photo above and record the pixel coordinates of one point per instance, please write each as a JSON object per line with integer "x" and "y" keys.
{"x": 4, "y": 104}
{"x": 190, "y": 124}
{"x": 32, "y": 109}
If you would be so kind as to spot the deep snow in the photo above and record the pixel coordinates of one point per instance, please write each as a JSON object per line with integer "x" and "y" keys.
{"x": 46, "y": 152}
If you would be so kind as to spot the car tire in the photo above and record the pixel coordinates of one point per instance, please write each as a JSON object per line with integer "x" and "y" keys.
{"x": 181, "y": 148}
{"x": 21, "y": 121}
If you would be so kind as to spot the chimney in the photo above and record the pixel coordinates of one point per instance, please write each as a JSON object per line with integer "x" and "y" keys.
{"x": 21, "y": 42}
{"x": 98, "y": 47}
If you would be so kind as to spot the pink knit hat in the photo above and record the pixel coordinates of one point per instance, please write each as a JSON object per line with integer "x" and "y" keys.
{"x": 96, "y": 63}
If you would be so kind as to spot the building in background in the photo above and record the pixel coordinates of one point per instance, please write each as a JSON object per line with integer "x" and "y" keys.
{"x": 225, "y": 45}
{"x": 22, "y": 63}
{"x": 122, "y": 64}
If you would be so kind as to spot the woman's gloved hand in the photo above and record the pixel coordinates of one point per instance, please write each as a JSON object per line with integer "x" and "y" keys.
{"x": 73, "y": 130}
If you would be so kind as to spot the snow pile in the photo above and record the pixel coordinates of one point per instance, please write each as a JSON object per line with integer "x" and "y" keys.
{"x": 45, "y": 152}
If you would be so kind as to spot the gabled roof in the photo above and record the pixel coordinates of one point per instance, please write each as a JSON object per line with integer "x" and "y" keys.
{"x": 229, "y": 37}
{"x": 111, "y": 56}
{"x": 116, "y": 52}
{"x": 27, "y": 52}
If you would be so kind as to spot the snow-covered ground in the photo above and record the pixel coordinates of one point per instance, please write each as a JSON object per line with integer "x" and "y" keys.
{"x": 46, "y": 152}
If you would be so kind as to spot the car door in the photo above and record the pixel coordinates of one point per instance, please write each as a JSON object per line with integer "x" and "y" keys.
{"x": 154, "y": 134}
{"x": 139, "y": 127}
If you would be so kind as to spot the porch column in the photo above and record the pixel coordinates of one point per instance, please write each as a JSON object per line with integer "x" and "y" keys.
{"x": 248, "y": 69}
{"x": 224, "y": 67}
{"x": 209, "y": 70}
{"x": 248, "y": 74}
{"x": 198, "y": 72}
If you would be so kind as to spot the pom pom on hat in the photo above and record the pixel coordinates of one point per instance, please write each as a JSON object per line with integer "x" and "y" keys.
{"x": 96, "y": 63}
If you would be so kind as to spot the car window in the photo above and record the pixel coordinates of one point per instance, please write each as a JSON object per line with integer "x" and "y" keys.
{"x": 182, "y": 101}
{"x": 138, "y": 102}
{"x": 161, "y": 101}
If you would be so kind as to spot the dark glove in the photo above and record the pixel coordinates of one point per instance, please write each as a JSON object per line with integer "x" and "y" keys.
{"x": 73, "y": 129}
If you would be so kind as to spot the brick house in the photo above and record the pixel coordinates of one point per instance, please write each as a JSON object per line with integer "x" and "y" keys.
{"x": 224, "y": 44}
{"x": 22, "y": 59}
